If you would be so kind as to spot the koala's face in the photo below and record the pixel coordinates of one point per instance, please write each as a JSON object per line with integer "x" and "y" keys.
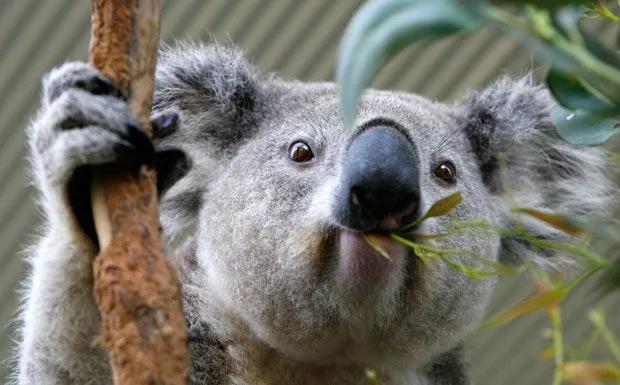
{"x": 282, "y": 231}
{"x": 287, "y": 195}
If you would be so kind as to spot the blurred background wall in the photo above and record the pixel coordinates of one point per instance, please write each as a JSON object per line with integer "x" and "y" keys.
{"x": 298, "y": 39}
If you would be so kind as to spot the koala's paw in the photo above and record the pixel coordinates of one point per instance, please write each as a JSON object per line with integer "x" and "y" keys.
{"x": 77, "y": 75}
{"x": 85, "y": 122}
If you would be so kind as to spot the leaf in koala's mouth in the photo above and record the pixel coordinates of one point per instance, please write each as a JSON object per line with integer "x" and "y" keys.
{"x": 427, "y": 253}
{"x": 376, "y": 244}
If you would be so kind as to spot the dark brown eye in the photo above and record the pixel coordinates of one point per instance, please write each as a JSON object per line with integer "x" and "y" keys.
{"x": 300, "y": 152}
{"x": 446, "y": 172}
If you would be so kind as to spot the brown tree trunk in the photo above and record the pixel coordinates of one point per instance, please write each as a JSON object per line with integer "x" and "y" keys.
{"x": 137, "y": 291}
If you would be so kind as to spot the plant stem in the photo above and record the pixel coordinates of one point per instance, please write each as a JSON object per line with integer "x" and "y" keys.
{"x": 558, "y": 344}
{"x": 610, "y": 339}
{"x": 581, "y": 277}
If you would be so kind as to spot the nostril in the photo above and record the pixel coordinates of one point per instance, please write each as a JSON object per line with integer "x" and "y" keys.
{"x": 386, "y": 210}
{"x": 369, "y": 203}
{"x": 355, "y": 200}
{"x": 398, "y": 220}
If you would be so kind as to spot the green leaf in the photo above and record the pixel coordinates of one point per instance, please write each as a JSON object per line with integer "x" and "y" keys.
{"x": 441, "y": 207}
{"x": 570, "y": 93}
{"x": 470, "y": 272}
{"x": 536, "y": 302}
{"x": 613, "y": 345}
{"x": 557, "y": 221}
{"x": 425, "y": 253}
{"x": 374, "y": 242}
{"x": 382, "y": 28}
{"x": 418, "y": 250}
{"x": 582, "y": 127}
{"x": 499, "y": 268}
{"x": 444, "y": 205}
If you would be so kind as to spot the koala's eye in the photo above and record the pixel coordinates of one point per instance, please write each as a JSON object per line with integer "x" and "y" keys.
{"x": 300, "y": 152}
{"x": 446, "y": 172}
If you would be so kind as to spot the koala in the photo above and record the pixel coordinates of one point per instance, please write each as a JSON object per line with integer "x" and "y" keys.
{"x": 268, "y": 200}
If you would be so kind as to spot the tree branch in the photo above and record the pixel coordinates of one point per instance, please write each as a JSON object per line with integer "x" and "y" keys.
{"x": 136, "y": 289}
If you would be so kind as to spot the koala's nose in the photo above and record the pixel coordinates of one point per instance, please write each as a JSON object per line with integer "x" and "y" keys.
{"x": 381, "y": 187}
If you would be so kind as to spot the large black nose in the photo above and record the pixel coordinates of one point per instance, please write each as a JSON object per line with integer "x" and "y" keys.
{"x": 381, "y": 188}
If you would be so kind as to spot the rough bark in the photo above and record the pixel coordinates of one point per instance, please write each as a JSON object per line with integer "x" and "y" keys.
{"x": 136, "y": 289}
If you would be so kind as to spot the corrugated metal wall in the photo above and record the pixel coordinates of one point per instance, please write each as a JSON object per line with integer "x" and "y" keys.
{"x": 298, "y": 39}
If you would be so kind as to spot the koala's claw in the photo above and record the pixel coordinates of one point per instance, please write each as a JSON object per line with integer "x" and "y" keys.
{"x": 141, "y": 142}
{"x": 78, "y": 75}
{"x": 165, "y": 124}
{"x": 99, "y": 85}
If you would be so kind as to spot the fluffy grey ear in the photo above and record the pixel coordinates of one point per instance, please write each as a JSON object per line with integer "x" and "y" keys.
{"x": 524, "y": 162}
{"x": 218, "y": 96}
{"x": 214, "y": 87}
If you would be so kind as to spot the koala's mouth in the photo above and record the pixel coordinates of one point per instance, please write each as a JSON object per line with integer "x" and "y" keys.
{"x": 361, "y": 259}
{"x": 368, "y": 257}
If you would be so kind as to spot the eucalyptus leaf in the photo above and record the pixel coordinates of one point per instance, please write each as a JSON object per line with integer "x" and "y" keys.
{"x": 424, "y": 255}
{"x": 498, "y": 267}
{"x": 582, "y": 127}
{"x": 570, "y": 93}
{"x": 538, "y": 301}
{"x": 470, "y": 272}
{"x": 439, "y": 208}
{"x": 382, "y": 28}
{"x": 557, "y": 221}
{"x": 444, "y": 205}
{"x": 374, "y": 242}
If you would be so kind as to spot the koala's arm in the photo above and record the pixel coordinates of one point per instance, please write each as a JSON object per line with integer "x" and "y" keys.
{"x": 60, "y": 318}
{"x": 84, "y": 121}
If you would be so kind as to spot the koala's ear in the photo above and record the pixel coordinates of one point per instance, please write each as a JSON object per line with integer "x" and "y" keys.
{"x": 524, "y": 162}
{"x": 218, "y": 97}
{"x": 214, "y": 88}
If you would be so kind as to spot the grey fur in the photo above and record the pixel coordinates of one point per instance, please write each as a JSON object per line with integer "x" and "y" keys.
{"x": 252, "y": 234}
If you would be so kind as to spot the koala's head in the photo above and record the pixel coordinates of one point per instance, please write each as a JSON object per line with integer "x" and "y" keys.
{"x": 282, "y": 195}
